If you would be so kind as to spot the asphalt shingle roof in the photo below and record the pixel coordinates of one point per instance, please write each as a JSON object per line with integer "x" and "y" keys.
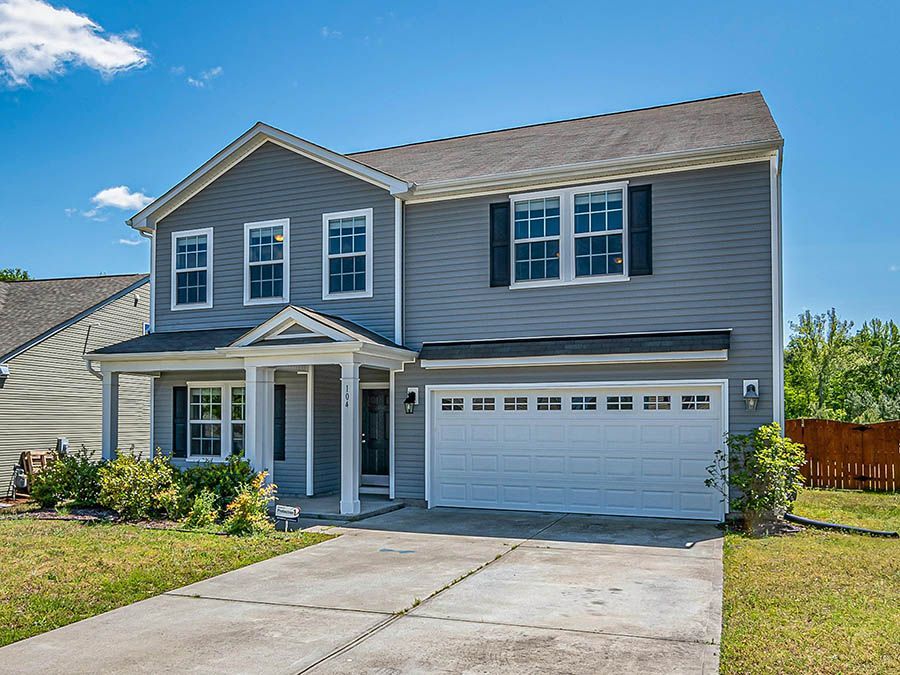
{"x": 725, "y": 121}
{"x": 29, "y": 309}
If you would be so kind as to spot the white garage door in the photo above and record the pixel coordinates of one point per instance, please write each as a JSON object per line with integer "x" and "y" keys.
{"x": 639, "y": 451}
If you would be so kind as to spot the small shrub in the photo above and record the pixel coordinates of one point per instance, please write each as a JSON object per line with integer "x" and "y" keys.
{"x": 72, "y": 479}
{"x": 139, "y": 489}
{"x": 248, "y": 513}
{"x": 763, "y": 470}
{"x": 203, "y": 512}
{"x": 223, "y": 479}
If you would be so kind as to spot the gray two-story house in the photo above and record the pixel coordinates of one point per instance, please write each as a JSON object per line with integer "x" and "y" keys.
{"x": 560, "y": 317}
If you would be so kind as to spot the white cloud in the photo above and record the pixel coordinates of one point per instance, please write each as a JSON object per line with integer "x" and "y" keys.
{"x": 71, "y": 211}
{"x": 39, "y": 40}
{"x": 177, "y": 70}
{"x": 131, "y": 242}
{"x": 330, "y": 33}
{"x": 205, "y": 77}
{"x": 120, "y": 197}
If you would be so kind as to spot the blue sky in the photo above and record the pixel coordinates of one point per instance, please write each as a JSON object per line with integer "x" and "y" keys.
{"x": 158, "y": 87}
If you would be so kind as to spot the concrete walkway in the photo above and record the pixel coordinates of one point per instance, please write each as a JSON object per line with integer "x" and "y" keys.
{"x": 445, "y": 591}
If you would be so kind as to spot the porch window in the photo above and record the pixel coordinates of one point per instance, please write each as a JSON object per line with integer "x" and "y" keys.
{"x": 205, "y": 422}
{"x": 347, "y": 254}
{"x": 216, "y": 419}
{"x": 266, "y": 262}
{"x": 191, "y": 269}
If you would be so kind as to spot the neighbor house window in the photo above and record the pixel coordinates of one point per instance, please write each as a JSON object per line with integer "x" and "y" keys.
{"x": 267, "y": 262}
{"x": 192, "y": 269}
{"x": 216, "y": 419}
{"x": 347, "y": 254}
{"x": 576, "y": 235}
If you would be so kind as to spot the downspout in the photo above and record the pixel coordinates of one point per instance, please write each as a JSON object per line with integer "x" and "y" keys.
{"x": 152, "y": 238}
{"x": 398, "y": 270}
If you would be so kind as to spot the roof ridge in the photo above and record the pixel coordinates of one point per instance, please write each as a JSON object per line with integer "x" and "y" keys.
{"x": 543, "y": 124}
{"x": 86, "y": 276}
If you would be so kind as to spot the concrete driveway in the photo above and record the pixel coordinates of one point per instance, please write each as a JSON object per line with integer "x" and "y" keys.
{"x": 445, "y": 590}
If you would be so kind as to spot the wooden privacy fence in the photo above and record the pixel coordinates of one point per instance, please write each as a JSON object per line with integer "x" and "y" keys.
{"x": 847, "y": 455}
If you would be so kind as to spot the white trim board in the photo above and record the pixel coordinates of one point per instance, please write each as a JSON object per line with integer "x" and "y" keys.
{"x": 578, "y": 359}
{"x": 327, "y": 294}
{"x": 777, "y": 283}
{"x": 173, "y": 270}
{"x": 431, "y": 389}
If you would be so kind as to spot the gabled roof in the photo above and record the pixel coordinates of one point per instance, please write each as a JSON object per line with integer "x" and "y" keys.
{"x": 31, "y": 311}
{"x": 734, "y": 121}
{"x": 321, "y": 327}
{"x": 667, "y": 134}
{"x": 240, "y": 148}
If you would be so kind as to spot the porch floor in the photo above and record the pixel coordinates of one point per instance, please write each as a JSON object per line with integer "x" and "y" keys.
{"x": 328, "y": 507}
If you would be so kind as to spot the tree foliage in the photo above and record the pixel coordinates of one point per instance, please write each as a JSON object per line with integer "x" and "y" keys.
{"x": 832, "y": 372}
{"x": 14, "y": 274}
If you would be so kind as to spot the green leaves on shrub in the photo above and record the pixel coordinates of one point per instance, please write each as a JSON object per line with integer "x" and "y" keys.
{"x": 203, "y": 513}
{"x": 223, "y": 479}
{"x": 140, "y": 489}
{"x": 763, "y": 470}
{"x": 248, "y": 513}
{"x": 72, "y": 479}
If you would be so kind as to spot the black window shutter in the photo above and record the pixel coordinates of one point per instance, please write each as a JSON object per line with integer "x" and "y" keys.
{"x": 500, "y": 249}
{"x": 179, "y": 421}
{"x": 640, "y": 231}
{"x": 279, "y": 422}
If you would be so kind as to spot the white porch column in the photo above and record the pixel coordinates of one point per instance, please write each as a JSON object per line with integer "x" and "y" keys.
{"x": 260, "y": 431}
{"x": 350, "y": 438}
{"x": 110, "y": 415}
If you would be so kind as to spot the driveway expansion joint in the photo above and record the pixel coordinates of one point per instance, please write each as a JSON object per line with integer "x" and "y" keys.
{"x": 195, "y": 596}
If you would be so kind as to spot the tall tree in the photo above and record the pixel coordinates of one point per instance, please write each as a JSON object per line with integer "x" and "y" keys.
{"x": 14, "y": 274}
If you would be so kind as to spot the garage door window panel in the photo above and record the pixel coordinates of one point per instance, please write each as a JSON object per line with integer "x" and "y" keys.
{"x": 619, "y": 403}
{"x": 657, "y": 402}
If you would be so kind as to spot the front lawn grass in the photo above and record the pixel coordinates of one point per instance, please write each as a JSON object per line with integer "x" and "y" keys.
{"x": 56, "y": 572}
{"x": 816, "y": 602}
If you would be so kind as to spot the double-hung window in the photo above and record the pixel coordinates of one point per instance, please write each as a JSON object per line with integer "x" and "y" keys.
{"x": 572, "y": 236}
{"x": 347, "y": 254}
{"x": 267, "y": 270}
{"x": 192, "y": 258}
{"x": 216, "y": 419}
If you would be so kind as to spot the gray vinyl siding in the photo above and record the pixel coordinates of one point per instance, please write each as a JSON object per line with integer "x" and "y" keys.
{"x": 327, "y": 421}
{"x": 290, "y": 474}
{"x": 50, "y": 392}
{"x": 712, "y": 269}
{"x": 274, "y": 183}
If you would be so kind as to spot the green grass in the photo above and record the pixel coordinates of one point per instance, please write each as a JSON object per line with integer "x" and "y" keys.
{"x": 816, "y": 602}
{"x": 56, "y": 572}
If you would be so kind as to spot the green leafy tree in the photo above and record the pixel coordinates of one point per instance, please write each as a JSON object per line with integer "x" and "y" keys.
{"x": 14, "y": 274}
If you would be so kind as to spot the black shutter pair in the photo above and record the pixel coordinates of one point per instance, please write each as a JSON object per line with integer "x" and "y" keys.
{"x": 640, "y": 252}
{"x": 180, "y": 421}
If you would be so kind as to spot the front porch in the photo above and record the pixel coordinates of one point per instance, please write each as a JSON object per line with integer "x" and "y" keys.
{"x": 305, "y": 397}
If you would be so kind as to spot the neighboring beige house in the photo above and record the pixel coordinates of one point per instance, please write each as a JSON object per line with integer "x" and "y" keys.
{"x": 46, "y": 391}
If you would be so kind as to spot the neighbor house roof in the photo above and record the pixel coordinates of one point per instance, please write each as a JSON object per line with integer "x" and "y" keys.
{"x": 733, "y": 121}
{"x": 32, "y": 310}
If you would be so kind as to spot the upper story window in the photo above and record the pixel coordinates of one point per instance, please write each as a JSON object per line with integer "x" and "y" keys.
{"x": 267, "y": 262}
{"x": 347, "y": 254}
{"x": 571, "y": 236}
{"x": 192, "y": 259}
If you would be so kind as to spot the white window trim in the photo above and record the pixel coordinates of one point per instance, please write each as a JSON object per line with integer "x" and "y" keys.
{"x": 336, "y": 215}
{"x": 567, "y": 236}
{"x": 226, "y": 387}
{"x": 285, "y": 224}
{"x": 208, "y": 231}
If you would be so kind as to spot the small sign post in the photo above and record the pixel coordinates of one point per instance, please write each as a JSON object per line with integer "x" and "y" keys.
{"x": 287, "y": 513}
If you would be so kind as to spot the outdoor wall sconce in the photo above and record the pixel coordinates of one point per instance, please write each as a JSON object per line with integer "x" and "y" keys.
{"x": 409, "y": 403}
{"x": 751, "y": 394}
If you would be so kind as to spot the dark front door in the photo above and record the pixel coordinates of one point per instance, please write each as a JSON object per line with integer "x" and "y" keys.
{"x": 375, "y": 436}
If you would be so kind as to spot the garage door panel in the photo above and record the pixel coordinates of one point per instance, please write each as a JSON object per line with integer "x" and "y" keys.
{"x": 597, "y": 460}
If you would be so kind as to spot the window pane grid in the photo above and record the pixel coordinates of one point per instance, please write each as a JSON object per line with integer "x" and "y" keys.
{"x": 657, "y": 402}
{"x": 695, "y": 402}
{"x": 483, "y": 404}
{"x": 600, "y": 214}
{"x": 206, "y": 421}
{"x": 191, "y": 260}
{"x": 452, "y": 404}
{"x": 536, "y": 228}
{"x": 549, "y": 403}
{"x": 347, "y": 249}
{"x": 515, "y": 403}
{"x": 584, "y": 403}
{"x": 619, "y": 403}
{"x": 265, "y": 255}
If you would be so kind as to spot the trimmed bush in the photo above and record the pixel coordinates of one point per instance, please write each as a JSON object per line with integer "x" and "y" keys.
{"x": 223, "y": 479}
{"x": 248, "y": 513}
{"x": 72, "y": 479}
{"x": 140, "y": 489}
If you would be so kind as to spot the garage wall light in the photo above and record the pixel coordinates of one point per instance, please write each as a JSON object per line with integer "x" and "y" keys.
{"x": 751, "y": 394}
{"x": 409, "y": 403}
